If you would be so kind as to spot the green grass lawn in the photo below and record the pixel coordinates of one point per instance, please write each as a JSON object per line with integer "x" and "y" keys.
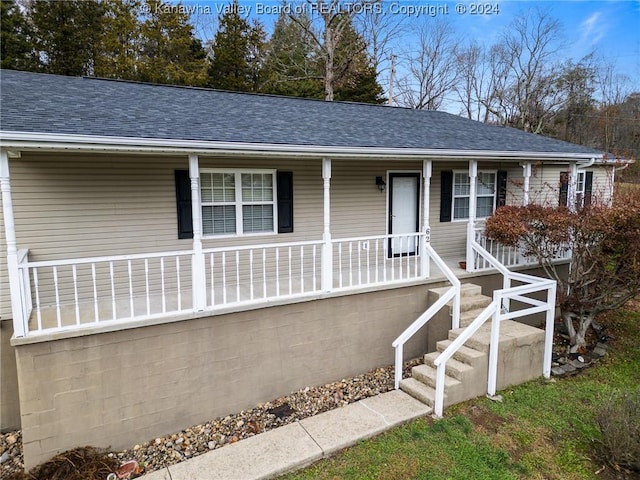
{"x": 541, "y": 430}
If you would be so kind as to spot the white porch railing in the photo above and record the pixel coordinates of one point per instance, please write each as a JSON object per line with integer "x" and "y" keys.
{"x": 69, "y": 294}
{"x": 498, "y": 310}
{"x": 381, "y": 259}
{"x": 452, "y": 294}
{"x": 507, "y": 256}
{"x": 249, "y": 274}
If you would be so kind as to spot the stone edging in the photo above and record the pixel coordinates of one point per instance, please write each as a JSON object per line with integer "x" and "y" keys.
{"x": 571, "y": 364}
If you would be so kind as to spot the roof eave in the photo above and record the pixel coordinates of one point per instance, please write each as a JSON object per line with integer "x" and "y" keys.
{"x": 29, "y": 141}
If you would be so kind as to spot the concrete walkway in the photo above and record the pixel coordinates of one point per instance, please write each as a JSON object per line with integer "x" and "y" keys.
{"x": 298, "y": 444}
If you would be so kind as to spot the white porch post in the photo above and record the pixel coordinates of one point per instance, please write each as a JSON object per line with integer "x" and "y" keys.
{"x": 199, "y": 281}
{"x": 573, "y": 186}
{"x": 426, "y": 227}
{"x": 17, "y": 307}
{"x": 612, "y": 183}
{"x": 471, "y": 231}
{"x": 527, "y": 178}
{"x": 327, "y": 247}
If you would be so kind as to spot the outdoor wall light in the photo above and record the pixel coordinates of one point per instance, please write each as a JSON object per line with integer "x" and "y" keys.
{"x": 380, "y": 184}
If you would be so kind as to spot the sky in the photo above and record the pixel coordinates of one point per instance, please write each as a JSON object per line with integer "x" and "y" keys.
{"x": 610, "y": 28}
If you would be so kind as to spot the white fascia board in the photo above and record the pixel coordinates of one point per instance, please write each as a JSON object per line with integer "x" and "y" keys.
{"x": 25, "y": 141}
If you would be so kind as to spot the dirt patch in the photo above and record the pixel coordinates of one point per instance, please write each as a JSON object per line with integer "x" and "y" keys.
{"x": 484, "y": 420}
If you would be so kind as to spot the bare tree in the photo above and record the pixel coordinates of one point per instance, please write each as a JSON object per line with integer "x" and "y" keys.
{"x": 614, "y": 89}
{"x": 380, "y": 30}
{"x": 529, "y": 48}
{"x": 336, "y": 21}
{"x": 432, "y": 70}
{"x": 515, "y": 81}
{"x": 471, "y": 79}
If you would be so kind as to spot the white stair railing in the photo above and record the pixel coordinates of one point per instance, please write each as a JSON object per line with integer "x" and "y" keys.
{"x": 495, "y": 311}
{"x": 452, "y": 294}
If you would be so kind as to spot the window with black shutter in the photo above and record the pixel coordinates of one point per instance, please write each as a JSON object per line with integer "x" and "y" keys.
{"x": 236, "y": 202}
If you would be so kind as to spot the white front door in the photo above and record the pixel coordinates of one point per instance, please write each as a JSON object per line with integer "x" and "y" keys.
{"x": 404, "y": 197}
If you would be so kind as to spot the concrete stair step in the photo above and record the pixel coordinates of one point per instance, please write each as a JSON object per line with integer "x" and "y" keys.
{"x": 464, "y": 354}
{"x": 453, "y": 368}
{"x": 512, "y": 333}
{"x": 466, "y": 290}
{"x": 420, "y": 391}
{"x": 427, "y": 375}
{"x": 466, "y": 317}
{"x": 473, "y": 302}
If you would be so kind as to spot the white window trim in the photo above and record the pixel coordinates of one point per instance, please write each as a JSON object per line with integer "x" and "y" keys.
{"x": 239, "y": 203}
{"x": 454, "y": 196}
{"x": 582, "y": 178}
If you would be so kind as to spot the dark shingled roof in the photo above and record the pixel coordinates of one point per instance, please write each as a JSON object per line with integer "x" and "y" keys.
{"x": 40, "y": 103}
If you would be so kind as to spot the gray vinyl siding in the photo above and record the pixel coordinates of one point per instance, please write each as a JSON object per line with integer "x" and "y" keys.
{"x": 602, "y": 186}
{"x": 447, "y": 238}
{"x": 544, "y": 184}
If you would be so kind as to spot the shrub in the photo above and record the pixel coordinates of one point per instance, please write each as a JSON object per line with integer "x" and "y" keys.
{"x": 619, "y": 422}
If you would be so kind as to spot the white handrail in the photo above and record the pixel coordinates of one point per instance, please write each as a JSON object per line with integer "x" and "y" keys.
{"x": 441, "y": 361}
{"x": 399, "y": 342}
{"x": 452, "y": 293}
{"x": 494, "y": 311}
{"x": 259, "y": 246}
{"x": 451, "y": 277}
{"x": 112, "y": 258}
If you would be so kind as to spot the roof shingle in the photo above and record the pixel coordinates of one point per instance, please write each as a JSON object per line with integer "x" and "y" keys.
{"x": 40, "y": 103}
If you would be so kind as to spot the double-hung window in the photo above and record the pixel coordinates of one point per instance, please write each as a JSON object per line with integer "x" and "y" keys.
{"x": 485, "y": 194}
{"x": 237, "y": 202}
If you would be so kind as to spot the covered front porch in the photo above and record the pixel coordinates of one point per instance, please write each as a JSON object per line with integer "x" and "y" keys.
{"x": 116, "y": 291}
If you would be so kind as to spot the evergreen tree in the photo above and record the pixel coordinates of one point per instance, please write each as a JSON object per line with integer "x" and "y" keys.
{"x": 291, "y": 65}
{"x": 119, "y": 44}
{"x": 67, "y": 34}
{"x": 297, "y": 62}
{"x": 238, "y": 50}
{"x": 361, "y": 86}
{"x": 169, "y": 51}
{"x": 354, "y": 76}
{"x": 16, "y": 48}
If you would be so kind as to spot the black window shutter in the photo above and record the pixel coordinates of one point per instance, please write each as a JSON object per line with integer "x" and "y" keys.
{"x": 183, "y": 202}
{"x": 501, "y": 197}
{"x": 285, "y": 202}
{"x": 446, "y": 195}
{"x": 564, "y": 189}
{"x": 588, "y": 187}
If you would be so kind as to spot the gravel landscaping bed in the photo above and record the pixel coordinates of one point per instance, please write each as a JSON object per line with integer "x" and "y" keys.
{"x": 190, "y": 442}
